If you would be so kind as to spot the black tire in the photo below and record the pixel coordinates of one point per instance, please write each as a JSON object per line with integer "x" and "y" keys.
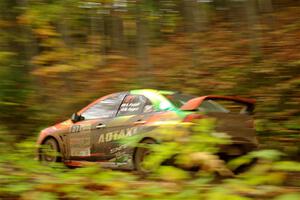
{"x": 49, "y": 153}
{"x": 140, "y": 154}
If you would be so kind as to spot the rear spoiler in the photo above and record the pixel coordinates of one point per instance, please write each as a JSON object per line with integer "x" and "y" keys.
{"x": 194, "y": 103}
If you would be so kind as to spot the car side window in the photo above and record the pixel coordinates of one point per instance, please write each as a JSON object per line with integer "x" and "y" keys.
{"x": 135, "y": 104}
{"x": 106, "y": 108}
{"x": 148, "y": 108}
{"x": 211, "y": 106}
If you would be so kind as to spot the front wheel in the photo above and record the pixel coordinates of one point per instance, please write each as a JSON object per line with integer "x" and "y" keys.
{"x": 49, "y": 151}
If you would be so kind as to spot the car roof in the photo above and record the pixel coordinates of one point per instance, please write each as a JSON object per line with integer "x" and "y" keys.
{"x": 163, "y": 92}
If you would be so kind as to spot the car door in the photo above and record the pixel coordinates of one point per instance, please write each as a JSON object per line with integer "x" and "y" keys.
{"x": 81, "y": 137}
{"x": 125, "y": 124}
{"x": 79, "y": 140}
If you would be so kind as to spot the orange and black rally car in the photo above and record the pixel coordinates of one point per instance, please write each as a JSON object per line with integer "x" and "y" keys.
{"x": 93, "y": 134}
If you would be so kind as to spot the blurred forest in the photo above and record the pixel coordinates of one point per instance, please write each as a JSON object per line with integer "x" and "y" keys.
{"x": 56, "y": 56}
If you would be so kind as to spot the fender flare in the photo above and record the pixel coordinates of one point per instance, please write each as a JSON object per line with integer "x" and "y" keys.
{"x": 60, "y": 144}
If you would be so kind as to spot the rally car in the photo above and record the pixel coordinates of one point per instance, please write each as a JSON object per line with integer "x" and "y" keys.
{"x": 93, "y": 134}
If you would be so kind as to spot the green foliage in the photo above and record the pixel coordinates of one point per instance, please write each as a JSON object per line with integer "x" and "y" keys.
{"x": 287, "y": 166}
{"x": 22, "y": 177}
{"x": 293, "y": 196}
{"x": 56, "y": 56}
{"x": 91, "y": 48}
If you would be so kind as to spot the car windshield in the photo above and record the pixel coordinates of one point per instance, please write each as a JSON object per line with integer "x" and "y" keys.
{"x": 179, "y": 99}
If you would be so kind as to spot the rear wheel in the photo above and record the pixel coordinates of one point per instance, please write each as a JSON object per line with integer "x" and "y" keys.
{"x": 140, "y": 154}
{"x": 49, "y": 151}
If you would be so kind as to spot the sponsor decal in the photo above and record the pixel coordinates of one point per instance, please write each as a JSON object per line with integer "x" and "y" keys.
{"x": 80, "y": 144}
{"x": 80, "y": 152}
{"x": 75, "y": 129}
{"x": 130, "y": 107}
{"x": 79, "y": 128}
{"x": 121, "y": 158}
{"x": 117, "y": 149}
{"x": 118, "y": 134}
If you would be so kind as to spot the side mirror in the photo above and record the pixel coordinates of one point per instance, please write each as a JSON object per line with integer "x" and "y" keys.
{"x": 76, "y": 118}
